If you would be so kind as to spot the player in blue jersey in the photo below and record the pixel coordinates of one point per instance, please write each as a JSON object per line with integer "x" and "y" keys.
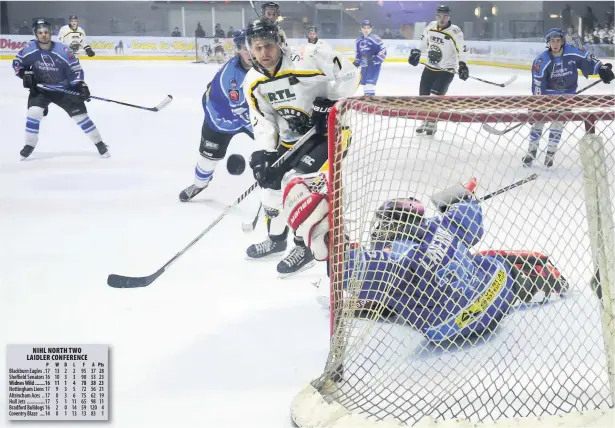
{"x": 370, "y": 54}
{"x": 422, "y": 270}
{"x": 555, "y": 72}
{"x": 226, "y": 115}
{"x": 43, "y": 61}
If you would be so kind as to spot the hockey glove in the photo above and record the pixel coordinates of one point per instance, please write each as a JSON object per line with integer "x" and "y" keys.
{"x": 29, "y": 80}
{"x": 357, "y": 63}
{"x": 83, "y": 89}
{"x": 464, "y": 71}
{"x": 414, "y": 58}
{"x": 308, "y": 213}
{"x": 606, "y": 72}
{"x": 320, "y": 114}
{"x": 454, "y": 194}
{"x": 266, "y": 175}
{"x": 89, "y": 51}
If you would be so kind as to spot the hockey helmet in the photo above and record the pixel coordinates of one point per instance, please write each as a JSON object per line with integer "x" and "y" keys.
{"x": 443, "y": 9}
{"x": 41, "y": 23}
{"x": 239, "y": 39}
{"x": 273, "y": 8}
{"x": 366, "y": 23}
{"x": 554, "y": 33}
{"x": 400, "y": 218}
{"x": 262, "y": 29}
{"x": 312, "y": 29}
{"x": 70, "y": 22}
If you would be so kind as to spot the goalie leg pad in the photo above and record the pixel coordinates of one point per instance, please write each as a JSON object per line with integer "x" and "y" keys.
{"x": 536, "y": 278}
{"x": 308, "y": 215}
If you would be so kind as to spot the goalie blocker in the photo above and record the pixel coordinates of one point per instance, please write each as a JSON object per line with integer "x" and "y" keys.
{"x": 421, "y": 269}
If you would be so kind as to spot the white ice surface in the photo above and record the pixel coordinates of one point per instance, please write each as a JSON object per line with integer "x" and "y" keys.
{"x": 217, "y": 341}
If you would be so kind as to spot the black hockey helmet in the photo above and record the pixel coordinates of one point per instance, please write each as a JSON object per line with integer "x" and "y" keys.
{"x": 262, "y": 29}
{"x": 70, "y": 18}
{"x": 270, "y": 5}
{"x": 312, "y": 28}
{"x": 443, "y": 9}
{"x": 400, "y": 218}
{"x": 40, "y": 23}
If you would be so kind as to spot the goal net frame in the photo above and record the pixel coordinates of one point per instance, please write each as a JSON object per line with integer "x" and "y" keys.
{"x": 316, "y": 404}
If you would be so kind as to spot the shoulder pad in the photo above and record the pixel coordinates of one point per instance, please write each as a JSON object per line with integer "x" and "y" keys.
{"x": 375, "y": 37}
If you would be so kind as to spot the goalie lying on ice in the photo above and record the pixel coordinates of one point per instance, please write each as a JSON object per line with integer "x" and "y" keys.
{"x": 421, "y": 269}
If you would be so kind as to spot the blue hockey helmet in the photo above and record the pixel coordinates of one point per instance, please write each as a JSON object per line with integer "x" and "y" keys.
{"x": 239, "y": 39}
{"x": 366, "y": 23}
{"x": 554, "y": 33}
{"x": 400, "y": 218}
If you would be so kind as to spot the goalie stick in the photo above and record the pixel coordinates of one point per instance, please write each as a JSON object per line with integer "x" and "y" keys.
{"x": 167, "y": 100}
{"x": 490, "y": 129}
{"x": 120, "y": 281}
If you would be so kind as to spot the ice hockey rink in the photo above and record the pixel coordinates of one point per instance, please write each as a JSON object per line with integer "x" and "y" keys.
{"x": 216, "y": 341}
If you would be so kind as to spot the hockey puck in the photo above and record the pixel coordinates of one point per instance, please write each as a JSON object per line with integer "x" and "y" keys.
{"x": 236, "y": 164}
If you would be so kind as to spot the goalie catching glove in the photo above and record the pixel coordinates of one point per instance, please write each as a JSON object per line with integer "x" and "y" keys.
{"x": 306, "y": 206}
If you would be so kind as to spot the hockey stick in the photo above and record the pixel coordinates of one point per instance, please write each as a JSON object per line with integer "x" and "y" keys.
{"x": 509, "y": 187}
{"x": 501, "y": 85}
{"x": 255, "y": 11}
{"x": 250, "y": 226}
{"x": 119, "y": 281}
{"x": 159, "y": 107}
{"x": 490, "y": 129}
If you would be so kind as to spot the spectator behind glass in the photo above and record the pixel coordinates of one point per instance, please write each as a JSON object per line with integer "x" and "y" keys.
{"x": 176, "y": 32}
{"x": 230, "y": 32}
{"x": 388, "y": 34}
{"x": 199, "y": 32}
{"x": 219, "y": 32}
{"x": 25, "y": 29}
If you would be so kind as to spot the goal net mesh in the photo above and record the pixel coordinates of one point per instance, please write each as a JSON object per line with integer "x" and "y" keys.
{"x": 549, "y": 358}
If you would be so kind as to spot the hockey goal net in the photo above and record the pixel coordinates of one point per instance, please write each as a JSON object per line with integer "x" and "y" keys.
{"x": 554, "y": 361}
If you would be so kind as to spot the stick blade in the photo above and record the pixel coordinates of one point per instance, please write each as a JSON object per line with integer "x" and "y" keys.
{"x": 490, "y": 129}
{"x": 163, "y": 103}
{"x": 509, "y": 81}
{"x": 120, "y": 281}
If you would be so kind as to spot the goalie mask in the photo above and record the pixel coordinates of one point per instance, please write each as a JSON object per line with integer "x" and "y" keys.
{"x": 397, "y": 219}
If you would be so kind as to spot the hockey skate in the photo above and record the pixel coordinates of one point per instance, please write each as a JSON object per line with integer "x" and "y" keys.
{"x": 26, "y": 151}
{"x": 298, "y": 260}
{"x": 549, "y": 157}
{"x": 102, "y": 149}
{"x": 191, "y": 191}
{"x": 428, "y": 128}
{"x": 528, "y": 159}
{"x": 265, "y": 249}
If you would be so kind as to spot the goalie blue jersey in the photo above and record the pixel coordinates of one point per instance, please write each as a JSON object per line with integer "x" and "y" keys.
{"x": 54, "y": 67}
{"x": 438, "y": 286}
{"x": 226, "y": 108}
{"x": 559, "y": 75}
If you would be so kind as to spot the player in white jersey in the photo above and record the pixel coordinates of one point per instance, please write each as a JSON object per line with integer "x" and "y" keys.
{"x": 218, "y": 48}
{"x": 286, "y": 98}
{"x": 74, "y": 36}
{"x": 445, "y": 49}
{"x": 314, "y": 44}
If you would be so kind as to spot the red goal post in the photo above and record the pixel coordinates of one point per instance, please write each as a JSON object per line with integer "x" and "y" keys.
{"x": 555, "y": 362}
